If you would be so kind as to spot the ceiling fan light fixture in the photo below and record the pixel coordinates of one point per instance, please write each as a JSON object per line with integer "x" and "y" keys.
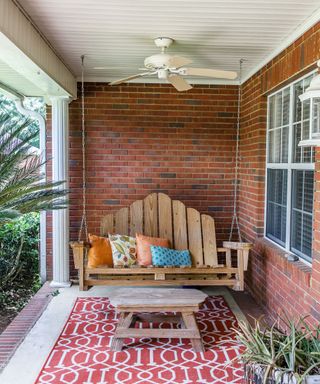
{"x": 159, "y": 60}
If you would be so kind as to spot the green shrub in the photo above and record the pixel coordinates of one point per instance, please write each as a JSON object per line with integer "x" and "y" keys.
{"x": 19, "y": 261}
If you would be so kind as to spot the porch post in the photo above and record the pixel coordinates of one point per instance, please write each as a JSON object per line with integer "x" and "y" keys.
{"x": 60, "y": 218}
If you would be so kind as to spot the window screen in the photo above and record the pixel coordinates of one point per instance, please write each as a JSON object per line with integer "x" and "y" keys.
{"x": 277, "y": 205}
{"x": 290, "y": 171}
{"x": 302, "y": 206}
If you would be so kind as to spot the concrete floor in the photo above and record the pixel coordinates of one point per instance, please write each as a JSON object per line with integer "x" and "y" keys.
{"x": 26, "y": 363}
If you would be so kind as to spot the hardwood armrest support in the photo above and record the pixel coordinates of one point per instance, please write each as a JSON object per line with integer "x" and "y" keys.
{"x": 237, "y": 245}
{"x": 80, "y": 245}
{"x": 242, "y": 251}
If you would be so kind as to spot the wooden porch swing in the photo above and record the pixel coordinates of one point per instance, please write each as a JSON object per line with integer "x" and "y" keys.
{"x": 159, "y": 216}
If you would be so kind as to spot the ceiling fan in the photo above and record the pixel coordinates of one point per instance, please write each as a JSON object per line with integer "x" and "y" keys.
{"x": 172, "y": 68}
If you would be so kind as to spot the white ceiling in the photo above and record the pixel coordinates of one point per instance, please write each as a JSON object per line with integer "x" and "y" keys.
{"x": 213, "y": 33}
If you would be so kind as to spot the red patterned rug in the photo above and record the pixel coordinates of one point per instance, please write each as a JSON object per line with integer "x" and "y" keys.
{"x": 82, "y": 353}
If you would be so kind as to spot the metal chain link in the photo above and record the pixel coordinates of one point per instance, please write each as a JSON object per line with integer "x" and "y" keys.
{"x": 83, "y": 224}
{"x": 235, "y": 222}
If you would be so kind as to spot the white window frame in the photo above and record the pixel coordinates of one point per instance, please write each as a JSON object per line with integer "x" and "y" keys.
{"x": 290, "y": 166}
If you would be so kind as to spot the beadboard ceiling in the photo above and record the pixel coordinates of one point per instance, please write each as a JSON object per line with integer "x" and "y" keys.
{"x": 119, "y": 34}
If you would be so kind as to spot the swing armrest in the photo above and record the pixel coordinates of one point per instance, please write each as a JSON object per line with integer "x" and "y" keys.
{"x": 237, "y": 245}
{"x": 79, "y": 249}
{"x": 242, "y": 251}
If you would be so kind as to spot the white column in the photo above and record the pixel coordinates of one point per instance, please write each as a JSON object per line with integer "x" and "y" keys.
{"x": 60, "y": 228}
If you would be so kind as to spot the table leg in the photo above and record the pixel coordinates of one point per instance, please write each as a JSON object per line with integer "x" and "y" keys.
{"x": 124, "y": 322}
{"x": 180, "y": 321}
{"x": 190, "y": 323}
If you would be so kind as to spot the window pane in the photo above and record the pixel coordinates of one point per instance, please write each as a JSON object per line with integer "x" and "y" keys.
{"x": 277, "y": 204}
{"x": 316, "y": 116}
{"x": 274, "y": 151}
{"x": 271, "y": 112}
{"x": 286, "y": 106}
{"x": 307, "y": 81}
{"x": 297, "y": 91}
{"x": 302, "y": 206}
{"x": 307, "y": 236}
{"x": 289, "y": 123}
{"x": 297, "y": 151}
{"x": 308, "y": 191}
{"x": 278, "y": 109}
{"x": 284, "y": 144}
{"x": 306, "y": 110}
{"x": 301, "y": 118}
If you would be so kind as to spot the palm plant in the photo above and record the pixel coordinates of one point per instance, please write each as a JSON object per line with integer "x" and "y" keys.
{"x": 275, "y": 356}
{"x": 23, "y": 188}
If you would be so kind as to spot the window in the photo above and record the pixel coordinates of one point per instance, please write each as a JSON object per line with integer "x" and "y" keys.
{"x": 290, "y": 171}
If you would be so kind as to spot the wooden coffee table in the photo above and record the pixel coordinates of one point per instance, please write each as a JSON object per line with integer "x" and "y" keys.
{"x": 142, "y": 303}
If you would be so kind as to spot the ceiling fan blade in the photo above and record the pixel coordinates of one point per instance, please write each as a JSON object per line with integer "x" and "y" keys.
{"x": 98, "y": 68}
{"x": 116, "y": 82}
{"x": 179, "y": 83}
{"x": 209, "y": 73}
{"x": 178, "y": 61}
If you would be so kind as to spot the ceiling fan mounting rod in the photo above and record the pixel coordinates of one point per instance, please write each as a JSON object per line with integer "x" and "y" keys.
{"x": 163, "y": 43}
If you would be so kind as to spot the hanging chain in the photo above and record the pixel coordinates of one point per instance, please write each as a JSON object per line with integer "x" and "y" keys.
{"x": 235, "y": 222}
{"x": 83, "y": 224}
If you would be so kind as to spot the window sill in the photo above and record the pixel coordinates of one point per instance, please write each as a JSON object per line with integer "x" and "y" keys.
{"x": 298, "y": 271}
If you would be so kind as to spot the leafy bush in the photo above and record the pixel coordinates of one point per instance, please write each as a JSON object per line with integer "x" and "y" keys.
{"x": 294, "y": 353}
{"x": 19, "y": 261}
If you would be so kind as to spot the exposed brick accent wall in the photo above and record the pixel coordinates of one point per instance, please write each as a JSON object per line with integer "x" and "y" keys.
{"x": 275, "y": 283}
{"x": 144, "y": 138}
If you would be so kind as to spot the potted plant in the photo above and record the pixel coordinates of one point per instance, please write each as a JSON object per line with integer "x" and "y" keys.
{"x": 272, "y": 355}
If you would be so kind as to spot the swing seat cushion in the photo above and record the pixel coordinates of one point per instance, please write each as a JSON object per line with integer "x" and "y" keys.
{"x": 100, "y": 252}
{"x": 143, "y": 248}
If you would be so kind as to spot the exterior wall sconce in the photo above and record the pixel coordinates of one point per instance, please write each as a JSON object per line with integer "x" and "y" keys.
{"x": 311, "y": 111}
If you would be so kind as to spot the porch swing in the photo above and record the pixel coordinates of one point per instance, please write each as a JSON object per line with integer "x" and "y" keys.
{"x": 159, "y": 216}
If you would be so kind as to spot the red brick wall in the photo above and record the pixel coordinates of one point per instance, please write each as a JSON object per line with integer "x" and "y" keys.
{"x": 275, "y": 283}
{"x": 147, "y": 137}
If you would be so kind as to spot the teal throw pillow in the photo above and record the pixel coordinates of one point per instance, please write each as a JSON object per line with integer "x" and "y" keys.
{"x": 164, "y": 257}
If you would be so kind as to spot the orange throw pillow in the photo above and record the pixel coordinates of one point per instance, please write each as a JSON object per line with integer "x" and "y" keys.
{"x": 144, "y": 256}
{"x": 100, "y": 252}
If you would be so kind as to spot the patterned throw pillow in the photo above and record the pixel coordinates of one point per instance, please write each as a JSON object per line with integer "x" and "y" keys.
{"x": 143, "y": 247}
{"x": 169, "y": 257}
{"x": 123, "y": 250}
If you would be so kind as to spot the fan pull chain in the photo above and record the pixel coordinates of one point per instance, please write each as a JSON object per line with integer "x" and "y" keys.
{"x": 83, "y": 225}
{"x": 235, "y": 221}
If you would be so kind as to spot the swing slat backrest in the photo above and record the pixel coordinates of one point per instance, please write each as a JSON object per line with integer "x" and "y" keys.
{"x": 159, "y": 216}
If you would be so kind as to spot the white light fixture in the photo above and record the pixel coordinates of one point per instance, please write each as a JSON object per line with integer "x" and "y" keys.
{"x": 311, "y": 111}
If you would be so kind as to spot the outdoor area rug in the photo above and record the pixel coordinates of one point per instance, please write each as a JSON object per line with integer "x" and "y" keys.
{"x": 82, "y": 353}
